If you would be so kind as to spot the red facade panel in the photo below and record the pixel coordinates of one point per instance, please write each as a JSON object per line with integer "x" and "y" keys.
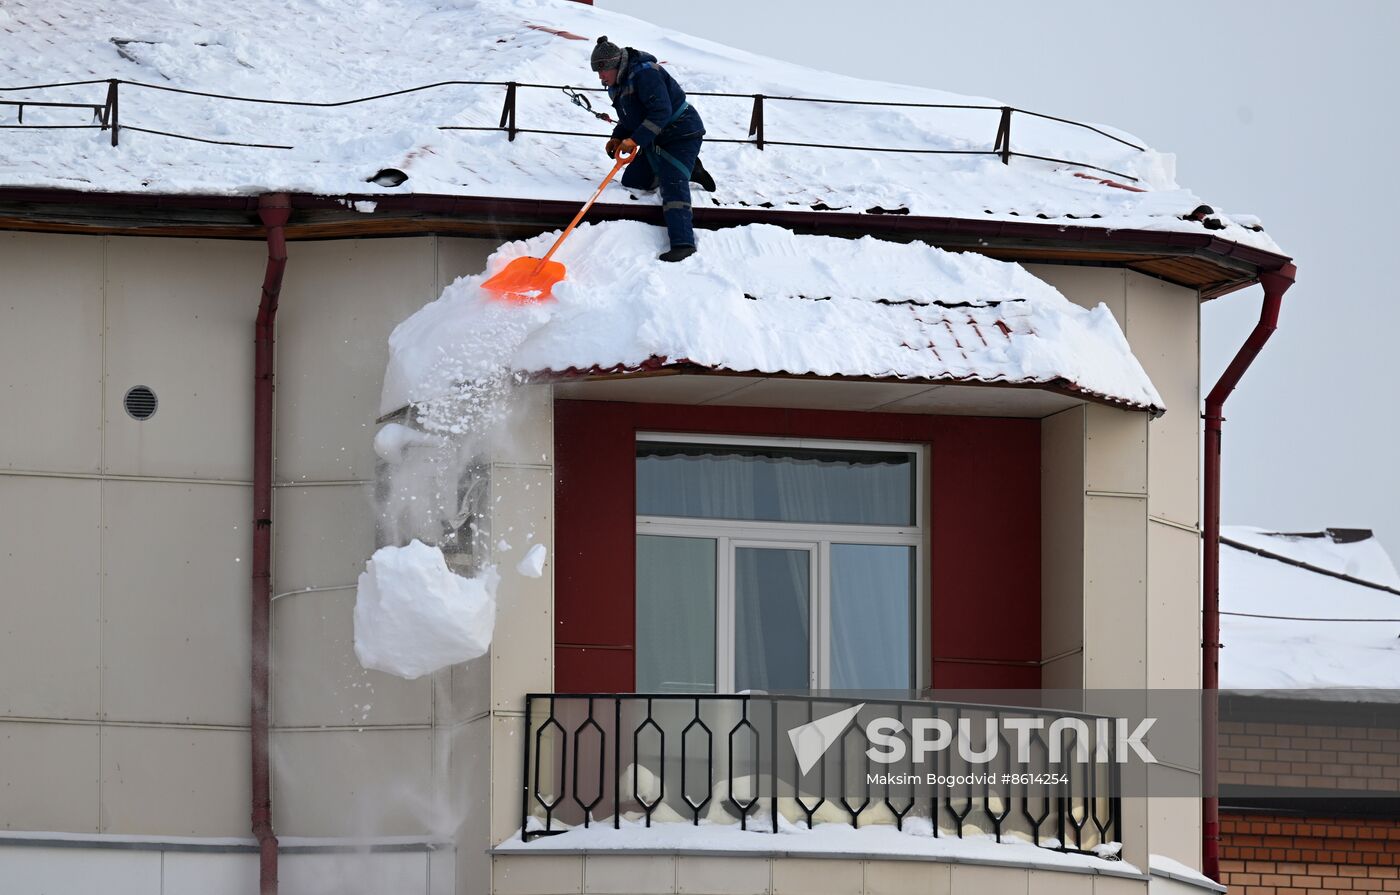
{"x": 984, "y": 529}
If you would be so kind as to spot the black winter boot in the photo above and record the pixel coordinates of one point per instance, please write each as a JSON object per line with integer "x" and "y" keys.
{"x": 677, "y": 253}
{"x": 701, "y": 178}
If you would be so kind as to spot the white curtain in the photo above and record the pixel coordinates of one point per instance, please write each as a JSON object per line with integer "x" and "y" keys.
{"x": 775, "y": 484}
{"x": 772, "y": 618}
{"x": 872, "y": 617}
{"x": 675, "y": 615}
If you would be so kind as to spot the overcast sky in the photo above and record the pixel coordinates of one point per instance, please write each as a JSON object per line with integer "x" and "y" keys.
{"x": 1281, "y": 109}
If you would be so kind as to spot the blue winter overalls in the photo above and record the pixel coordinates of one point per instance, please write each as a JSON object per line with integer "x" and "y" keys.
{"x": 653, "y": 112}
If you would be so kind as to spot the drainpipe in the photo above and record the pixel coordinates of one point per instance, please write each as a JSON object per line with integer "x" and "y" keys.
{"x": 1275, "y": 283}
{"x": 274, "y": 209}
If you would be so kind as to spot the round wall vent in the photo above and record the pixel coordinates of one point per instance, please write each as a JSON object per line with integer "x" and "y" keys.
{"x": 140, "y": 402}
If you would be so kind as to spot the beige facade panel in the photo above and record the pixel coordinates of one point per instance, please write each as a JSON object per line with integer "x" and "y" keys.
{"x": 48, "y": 778}
{"x": 460, "y": 257}
{"x": 1164, "y": 329}
{"x": 193, "y": 873}
{"x": 628, "y": 875}
{"x": 471, "y": 790}
{"x": 1173, "y": 607}
{"x": 1063, "y": 673}
{"x": 467, "y": 692}
{"x": 391, "y": 873}
{"x": 1001, "y": 880}
{"x": 49, "y": 635}
{"x": 908, "y": 878}
{"x": 1089, "y": 286}
{"x": 340, "y": 301}
{"x": 354, "y": 783}
{"x": 47, "y": 871}
{"x": 1176, "y": 829}
{"x": 316, "y": 679}
{"x": 321, "y": 535}
{"x": 170, "y": 781}
{"x": 1049, "y": 882}
{"x": 1115, "y": 450}
{"x": 722, "y": 876}
{"x": 1117, "y": 885}
{"x": 1062, "y": 541}
{"x": 817, "y": 876}
{"x": 537, "y": 874}
{"x": 522, "y": 653}
{"x": 51, "y": 352}
{"x": 507, "y": 774}
{"x": 180, "y": 319}
{"x": 175, "y": 617}
{"x": 528, "y": 435}
{"x": 1115, "y": 592}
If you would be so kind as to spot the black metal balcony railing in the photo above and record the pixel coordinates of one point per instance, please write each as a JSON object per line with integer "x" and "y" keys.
{"x": 652, "y": 758}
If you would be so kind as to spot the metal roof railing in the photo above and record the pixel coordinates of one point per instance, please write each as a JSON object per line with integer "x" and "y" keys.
{"x": 107, "y": 117}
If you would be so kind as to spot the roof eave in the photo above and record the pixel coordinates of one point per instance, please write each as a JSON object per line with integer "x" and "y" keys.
{"x": 1233, "y": 265}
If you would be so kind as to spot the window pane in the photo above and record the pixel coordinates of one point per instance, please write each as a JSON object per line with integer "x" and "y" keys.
{"x": 772, "y": 595}
{"x": 675, "y": 615}
{"x": 775, "y": 484}
{"x": 872, "y": 617}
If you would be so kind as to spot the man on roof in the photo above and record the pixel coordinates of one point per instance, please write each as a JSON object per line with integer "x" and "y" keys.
{"x": 655, "y": 119}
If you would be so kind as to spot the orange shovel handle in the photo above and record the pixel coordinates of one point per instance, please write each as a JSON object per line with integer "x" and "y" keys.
{"x": 622, "y": 160}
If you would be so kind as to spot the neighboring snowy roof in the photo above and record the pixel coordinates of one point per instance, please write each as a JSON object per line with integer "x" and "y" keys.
{"x": 1288, "y": 653}
{"x": 324, "y": 51}
{"x": 763, "y": 299}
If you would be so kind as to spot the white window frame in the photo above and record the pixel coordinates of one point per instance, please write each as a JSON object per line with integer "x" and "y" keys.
{"x": 817, "y": 537}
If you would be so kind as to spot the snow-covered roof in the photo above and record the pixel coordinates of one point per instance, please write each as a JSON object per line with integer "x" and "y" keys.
{"x": 762, "y": 299}
{"x": 318, "y": 50}
{"x": 1296, "y": 648}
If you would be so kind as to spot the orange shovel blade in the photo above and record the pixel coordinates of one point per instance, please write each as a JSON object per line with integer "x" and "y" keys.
{"x": 525, "y": 280}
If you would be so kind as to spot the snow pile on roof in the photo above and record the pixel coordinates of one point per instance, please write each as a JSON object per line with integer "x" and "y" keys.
{"x": 1285, "y": 653}
{"x": 763, "y": 299}
{"x": 414, "y": 616}
{"x": 319, "y": 50}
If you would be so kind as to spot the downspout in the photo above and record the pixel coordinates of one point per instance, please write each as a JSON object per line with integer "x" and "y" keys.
{"x": 1275, "y": 283}
{"x": 274, "y": 209}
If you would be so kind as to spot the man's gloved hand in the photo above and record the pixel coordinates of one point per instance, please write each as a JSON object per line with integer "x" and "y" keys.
{"x": 611, "y": 148}
{"x": 627, "y": 146}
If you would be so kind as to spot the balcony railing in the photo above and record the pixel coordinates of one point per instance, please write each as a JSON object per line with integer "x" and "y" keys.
{"x": 600, "y": 759}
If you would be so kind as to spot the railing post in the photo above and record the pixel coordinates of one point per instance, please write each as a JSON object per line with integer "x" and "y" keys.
{"x": 508, "y": 112}
{"x": 773, "y": 757}
{"x": 1003, "y": 142}
{"x": 756, "y": 120}
{"x": 525, "y": 776}
{"x": 112, "y": 116}
{"x": 617, "y": 762}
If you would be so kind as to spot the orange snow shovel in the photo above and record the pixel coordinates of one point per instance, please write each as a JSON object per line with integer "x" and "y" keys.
{"x": 530, "y": 279}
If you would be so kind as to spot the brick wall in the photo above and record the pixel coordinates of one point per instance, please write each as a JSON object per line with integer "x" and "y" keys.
{"x": 1310, "y": 755}
{"x": 1263, "y": 854}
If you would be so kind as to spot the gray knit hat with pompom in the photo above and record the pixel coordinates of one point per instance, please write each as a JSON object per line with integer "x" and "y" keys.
{"x": 606, "y": 55}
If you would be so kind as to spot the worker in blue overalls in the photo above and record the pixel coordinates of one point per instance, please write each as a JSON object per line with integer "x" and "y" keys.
{"x": 655, "y": 119}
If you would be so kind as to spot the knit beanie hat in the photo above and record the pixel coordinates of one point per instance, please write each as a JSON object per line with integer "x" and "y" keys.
{"x": 606, "y": 55}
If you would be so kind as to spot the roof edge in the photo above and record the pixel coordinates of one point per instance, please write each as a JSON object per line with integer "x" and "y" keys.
{"x": 550, "y": 214}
